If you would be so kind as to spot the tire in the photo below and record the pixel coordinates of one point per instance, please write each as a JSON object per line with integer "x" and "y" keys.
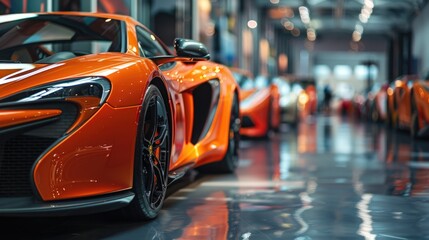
{"x": 152, "y": 156}
{"x": 230, "y": 161}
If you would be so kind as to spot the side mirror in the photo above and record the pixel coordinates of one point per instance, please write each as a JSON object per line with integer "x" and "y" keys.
{"x": 186, "y": 51}
{"x": 190, "y": 49}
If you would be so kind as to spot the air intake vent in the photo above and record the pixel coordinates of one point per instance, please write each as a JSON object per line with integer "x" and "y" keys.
{"x": 17, "y": 157}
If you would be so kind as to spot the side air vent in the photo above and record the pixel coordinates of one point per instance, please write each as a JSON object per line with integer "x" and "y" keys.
{"x": 206, "y": 100}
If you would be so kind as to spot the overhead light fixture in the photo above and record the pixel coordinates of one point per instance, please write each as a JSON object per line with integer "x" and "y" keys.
{"x": 365, "y": 14}
{"x": 275, "y": 1}
{"x": 304, "y": 14}
{"x": 311, "y": 34}
{"x": 288, "y": 25}
{"x": 252, "y": 24}
{"x": 366, "y": 11}
{"x": 296, "y": 32}
{"x": 305, "y": 18}
{"x": 357, "y": 36}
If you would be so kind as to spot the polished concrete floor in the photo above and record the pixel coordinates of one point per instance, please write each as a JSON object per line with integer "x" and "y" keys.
{"x": 328, "y": 178}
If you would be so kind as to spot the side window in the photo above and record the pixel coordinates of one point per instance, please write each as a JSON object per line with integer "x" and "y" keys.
{"x": 148, "y": 44}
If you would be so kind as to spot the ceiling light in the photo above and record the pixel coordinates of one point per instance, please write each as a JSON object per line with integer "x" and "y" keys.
{"x": 369, "y": 3}
{"x": 363, "y": 19}
{"x": 356, "y": 36}
{"x": 359, "y": 28}
{"x": 296, "y": 32}
{"x": 252, "y": 24}
{"x": 303, "y": 10}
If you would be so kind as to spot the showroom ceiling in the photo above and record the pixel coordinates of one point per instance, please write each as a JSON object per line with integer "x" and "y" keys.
{"x": 329, "y": 16}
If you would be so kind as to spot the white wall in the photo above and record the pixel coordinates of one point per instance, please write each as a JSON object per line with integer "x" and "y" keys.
{"x": 336, "y": 50}
{"x": 332, "y": 59}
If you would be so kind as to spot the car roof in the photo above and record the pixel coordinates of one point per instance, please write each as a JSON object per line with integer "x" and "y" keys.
{"x": 88, "y": 14}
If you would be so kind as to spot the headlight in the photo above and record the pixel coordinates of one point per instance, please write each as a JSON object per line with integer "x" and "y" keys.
{"x": 88, "y": 94}
{"x": 303, "y": 98}
{"x": 87, "y": 87}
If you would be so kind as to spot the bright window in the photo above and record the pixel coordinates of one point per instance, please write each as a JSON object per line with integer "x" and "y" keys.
{"x": 342, "y": 72}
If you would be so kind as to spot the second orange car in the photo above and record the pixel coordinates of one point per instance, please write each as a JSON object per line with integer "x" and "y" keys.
{"x": 259, "y": 105}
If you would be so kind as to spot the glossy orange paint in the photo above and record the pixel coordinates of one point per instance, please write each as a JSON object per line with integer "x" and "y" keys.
{"x": 183, "y": 78}
{"x": 260, "y": 108}
{"x": 391, "y": 114}
{"x": 87, "y": 106}
{"x": 96, "y": 155}
{"x": 275, "y": 106}
{"x": 309, "y": 106}
{"x": 420, "y": 106}
{"x": 246, "y": 93}
{"x": 92, "y": 160}
{"x": 258, "y": 111}
{"x": 402, "y": 101}
{"x": 9, "y": 118}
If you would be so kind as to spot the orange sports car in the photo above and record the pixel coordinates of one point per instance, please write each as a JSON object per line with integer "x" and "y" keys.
{"x": 377, "y": 103}
{"x": 97, "y": 114}
{"x": 307, "y": 96}
{"x": 401, "y": 95}
{"x": 259, "y": 106}
{"x": 420, "y": 109}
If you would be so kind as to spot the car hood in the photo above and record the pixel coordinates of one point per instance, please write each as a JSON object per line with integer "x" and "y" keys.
{"x": 15, "y": 77}
{"x": 256, "y": 98}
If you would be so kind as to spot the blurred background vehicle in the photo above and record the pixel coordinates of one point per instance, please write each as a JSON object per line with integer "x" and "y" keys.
{"x": 259, "y": 105}
{"x": 344, "y": 93}
{"x": 401, "y": 114}
{"x": 420, "y": 108}
{"x": 288, "y": 102}
{"x": 376, "y": 103}
{"x": 298, "y": 97}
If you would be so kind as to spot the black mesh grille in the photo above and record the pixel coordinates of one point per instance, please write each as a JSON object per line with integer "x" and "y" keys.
{"x": 19, "y": 154}
{"x": 21, "y": 146}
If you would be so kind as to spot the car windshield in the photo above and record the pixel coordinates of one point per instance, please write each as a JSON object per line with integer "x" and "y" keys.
{"x": 32, "y": 38}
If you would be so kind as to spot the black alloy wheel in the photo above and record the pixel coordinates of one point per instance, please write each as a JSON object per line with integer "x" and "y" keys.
{"x": 151, "y": 158}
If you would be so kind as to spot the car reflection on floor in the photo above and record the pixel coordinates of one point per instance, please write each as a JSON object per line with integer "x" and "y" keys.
{"x": 329, "y": 177}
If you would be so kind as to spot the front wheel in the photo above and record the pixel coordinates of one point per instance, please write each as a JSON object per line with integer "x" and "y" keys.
{"x": 152, "y": 157}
